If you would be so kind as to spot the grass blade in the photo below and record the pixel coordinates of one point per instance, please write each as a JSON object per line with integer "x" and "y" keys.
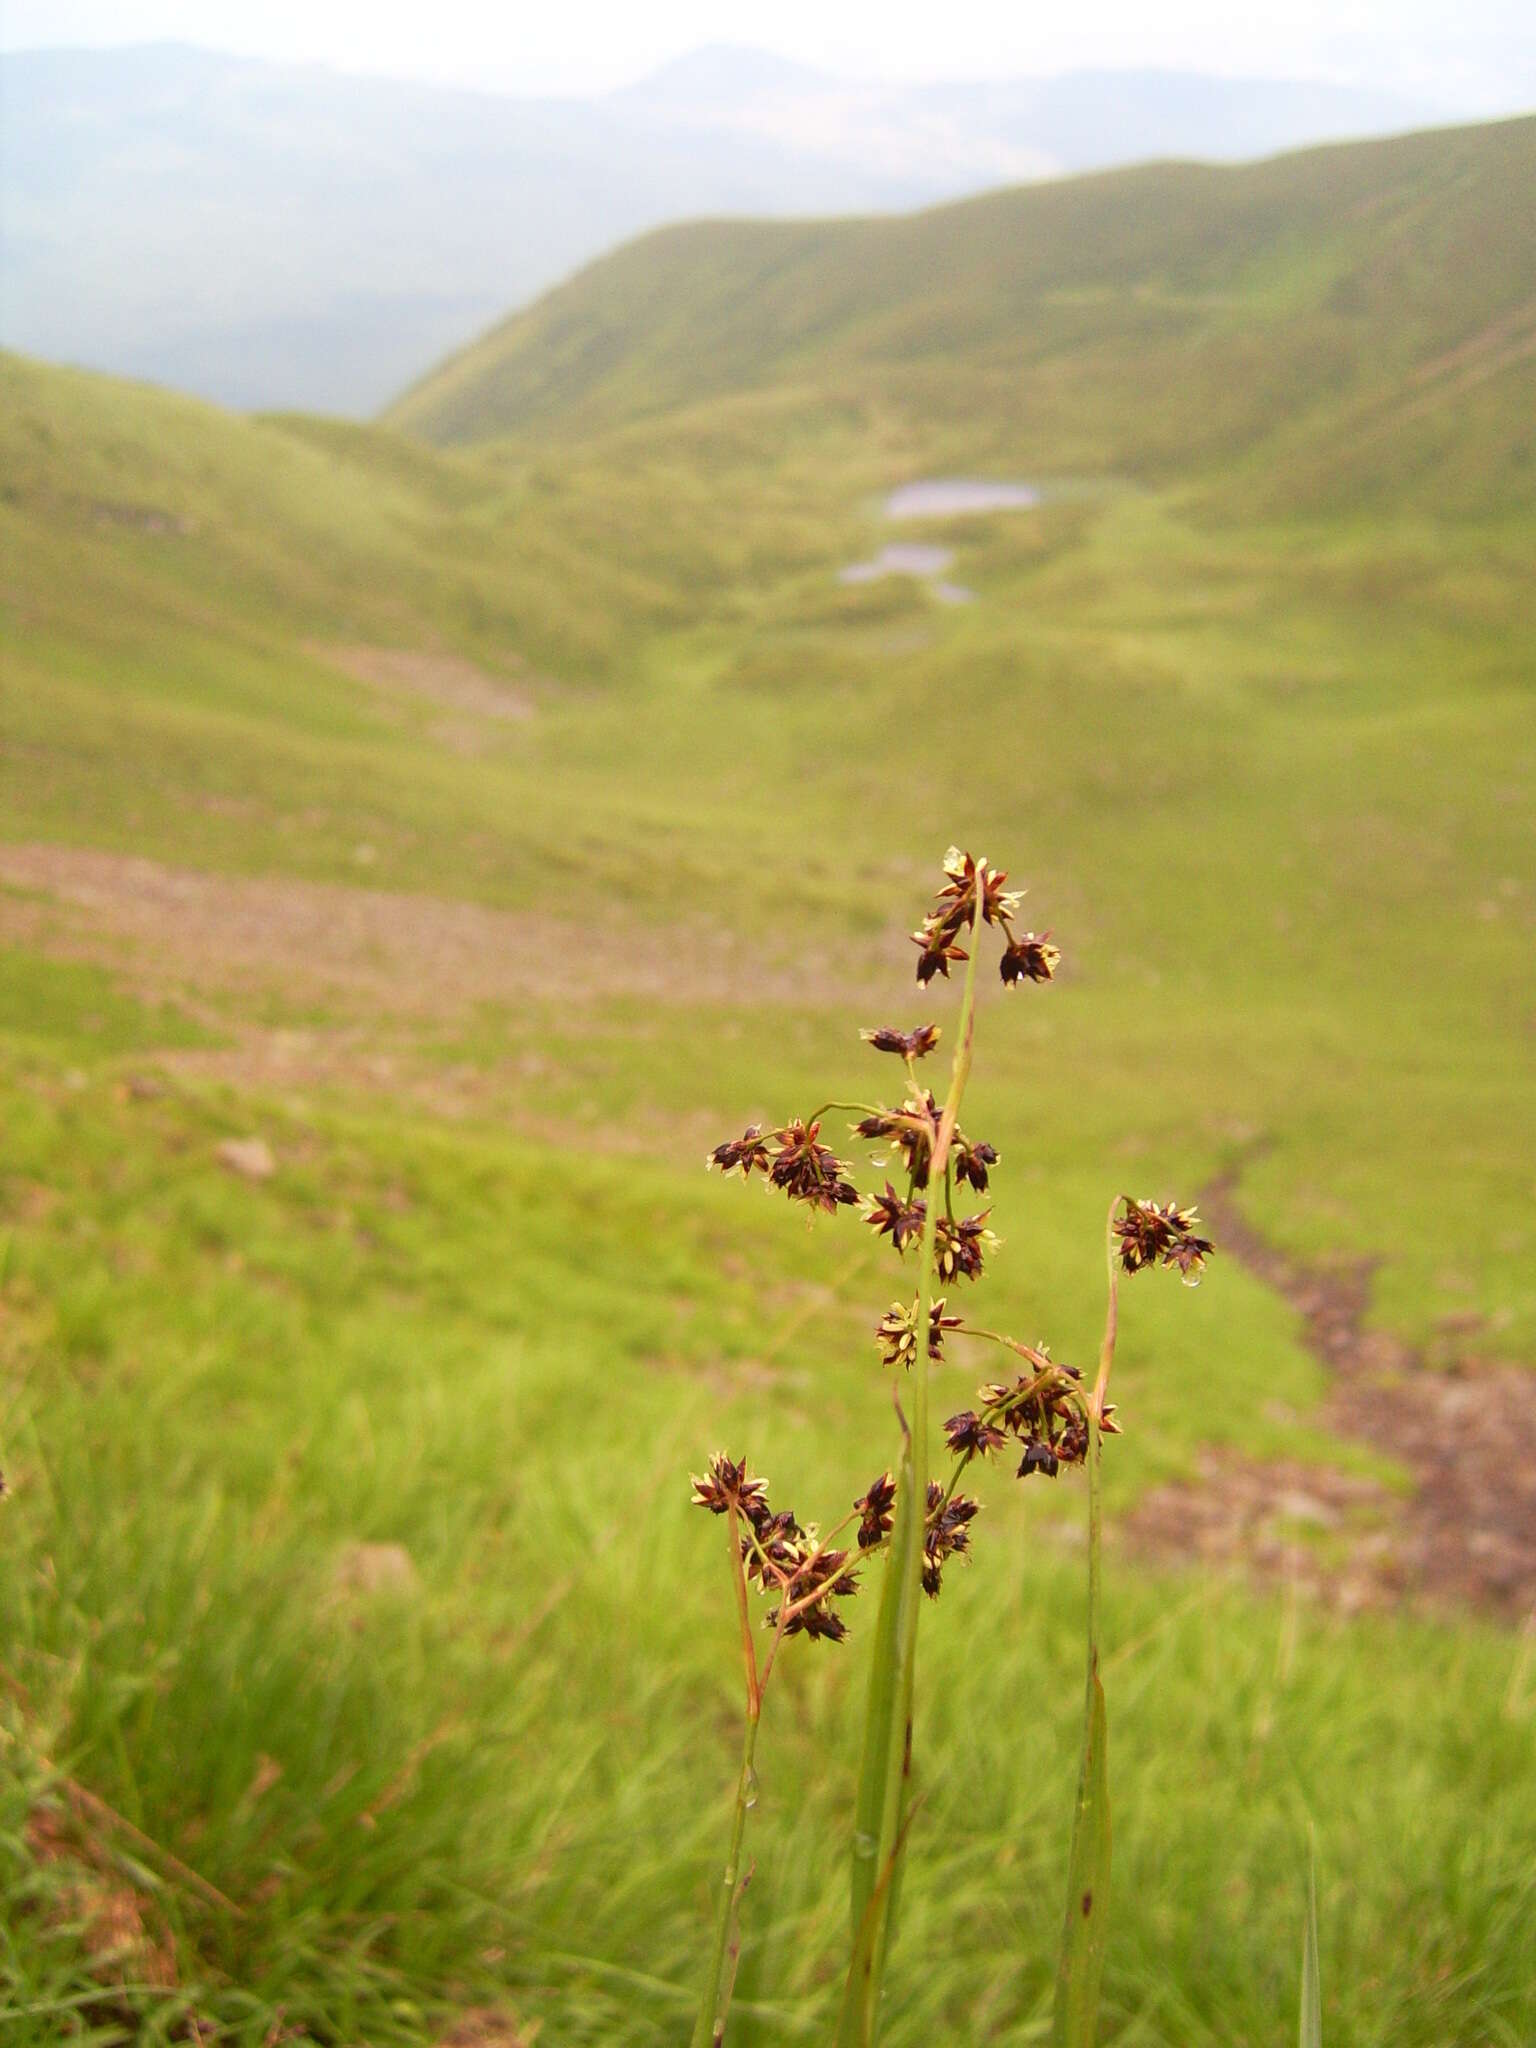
{"x": 885, "y": 1743}
{"x": 1086, "y": 1921}
{"x": 1310, "y": 2030}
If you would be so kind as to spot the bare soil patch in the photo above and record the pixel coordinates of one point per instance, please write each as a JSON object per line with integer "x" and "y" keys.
{"x": 490, "y": 2029}
{"x": 1465, "y": 1535}
{"x": 124, "y": 1937}
{"x": 366, "y": 952}
{"x": 445, "y": 679}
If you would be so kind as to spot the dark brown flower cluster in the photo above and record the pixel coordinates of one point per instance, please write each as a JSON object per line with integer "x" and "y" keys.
{"x": 726, "y": 1485}
{"x": 969, "y": 881}
{"x": 1028, "y": 956}
{"x": 912, "y": 1045}
{"x": 946, "y": 1526}
{"x": 946, "y": 1533}
{"x": 876, "y": 1510}
{"x": 820, "y": 1579}
{"x": 889, "y": 1216}
{"x": 912, "y": 1129}
{"x": 775, "y": 1550}
{"x": 778, "y": 1555}
{"x": 794, "y": 1159}
{"x": 962, "y": 1246}
{"x": 972, "y": 1436}
{"x": 1151, "y": 1233}
{"x": 973, "y": 1163}
{"x": 1045, "y": 1410}
{"x": 751, "y": 1153}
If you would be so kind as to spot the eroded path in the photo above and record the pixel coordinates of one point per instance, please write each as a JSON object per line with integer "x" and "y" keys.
{"x": 1465, "y": 1535}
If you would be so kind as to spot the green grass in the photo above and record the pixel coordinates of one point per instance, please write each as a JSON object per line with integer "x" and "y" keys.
{"x": 217, "y": 1387}
{"x": 1260, "y": 752}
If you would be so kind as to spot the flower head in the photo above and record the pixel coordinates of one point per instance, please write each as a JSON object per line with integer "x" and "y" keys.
{"x": 1038, "y": 1457}
{"x": 913, "y": 1127}
{"x": 896, "y": 1334}
{"x": 912, "y": 1045}
{"x": 973, "y": 1162}
{"x": 726, "y": 1485}
{"x": 779, "y": 1548}
{"x": 809, "y": 1171}
{"x": 936, "y": 955}
{"x": 938, "y": 1323}
{"x": 971, "y": 1436}
{"x": 749, "y": 1153}
{"x": 896, "y": 1331}
{"x": 821, "y": 1576}
{"x": 888, "y": 1215}
{"x": 964, "y": 876}
{"x": 1029, "y": 956}
{"x": 816, "y": 1621}
{"x": 946, "y": 1533}
{"x": 876, "y": 1509}
{"x": 1150, "y": 1233}
{"x": 962, "y": 1247}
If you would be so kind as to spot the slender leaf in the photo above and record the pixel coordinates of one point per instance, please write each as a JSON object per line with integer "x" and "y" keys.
{"x": 1086, "y": 1921}
{"x": 855, "y": 2017}
{"x": 880, "y": 1713}
{"x": 882, "y": 1773}
{"x": 1310, "y": 2031}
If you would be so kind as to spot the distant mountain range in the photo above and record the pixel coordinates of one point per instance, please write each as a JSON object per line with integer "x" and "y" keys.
{"x": 285, "y": 238}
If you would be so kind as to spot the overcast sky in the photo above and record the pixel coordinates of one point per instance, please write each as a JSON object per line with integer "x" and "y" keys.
{"x": 1475, "y": 55}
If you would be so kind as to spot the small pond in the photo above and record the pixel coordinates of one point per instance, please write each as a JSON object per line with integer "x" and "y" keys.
{"x": 958, "y": 497}
{"x": 938, "y": 497}
{"x": 910, "y": 558}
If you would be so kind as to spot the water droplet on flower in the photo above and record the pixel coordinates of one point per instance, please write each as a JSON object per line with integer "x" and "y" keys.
{"x": 865, "y": 1847}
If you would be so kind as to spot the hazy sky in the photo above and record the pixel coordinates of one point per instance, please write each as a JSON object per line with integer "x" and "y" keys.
{"x": 1479, "y": 55}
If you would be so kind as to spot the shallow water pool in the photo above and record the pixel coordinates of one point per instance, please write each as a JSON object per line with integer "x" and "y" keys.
{"x": 956, "y": 497}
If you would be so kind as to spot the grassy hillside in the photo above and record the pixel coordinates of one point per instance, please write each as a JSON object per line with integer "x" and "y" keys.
{"x": 487, "y": 831}
{"x": 1328, "y": 321}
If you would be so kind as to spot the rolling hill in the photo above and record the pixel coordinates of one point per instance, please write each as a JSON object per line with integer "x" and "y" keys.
{"x": 1347, "y": 321}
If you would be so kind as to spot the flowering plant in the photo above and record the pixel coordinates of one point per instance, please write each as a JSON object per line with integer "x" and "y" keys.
{"x": 1042, "y": 1410}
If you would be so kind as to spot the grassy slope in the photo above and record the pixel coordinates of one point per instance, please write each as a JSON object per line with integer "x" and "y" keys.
{"x": 1264, "y": 776}
{"x": 1156, "y": 321}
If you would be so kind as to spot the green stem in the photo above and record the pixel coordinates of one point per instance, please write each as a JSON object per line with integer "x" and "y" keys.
{"x": 878, "y": 1829}
{"x": 709, "y": 2027}
{"x": 1095, "y": 1445}
{"x": 1075, "y": 2018}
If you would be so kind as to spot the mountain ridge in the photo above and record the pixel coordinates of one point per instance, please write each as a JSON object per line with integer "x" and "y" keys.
{"x": 1150, "y": 322}
{"x": 288, "y": 236}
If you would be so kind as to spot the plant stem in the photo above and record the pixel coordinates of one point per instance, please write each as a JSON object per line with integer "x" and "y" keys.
{"x": 1111, "y": 1314}
{"x": 709, "y": 2027}
{"x": 864, "y": 1109}
{"x": 1095, "y": 1446}
{"x": 1075, "y": 2018}
{"x": 878, "y": 1829}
